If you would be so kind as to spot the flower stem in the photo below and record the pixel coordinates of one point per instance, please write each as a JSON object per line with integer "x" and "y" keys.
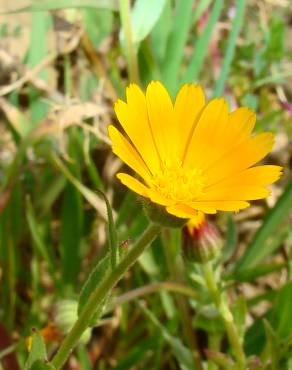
{"x": 131, "y": 53}
{"x": 182, "y": 303}
{"x": 100, "y": 293}
{"x": 221, "y": 302}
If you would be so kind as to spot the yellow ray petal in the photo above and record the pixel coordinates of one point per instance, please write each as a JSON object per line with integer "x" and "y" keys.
{"x": 160, "y": 112}
{"x": 220, "y": 205}
{"x": 242, "y": 121}
{"x": 158, "y": 198}
{"x": 254, "y": 176}
{"x": 123, "y": 149}
{"x": 182, "y": 211}
{"x": 240, "y": 158}
{"x": 222, "y": 193}
{"x": 203, "y": 143}
{"x": 133, "y": 184}
{"x": 188, "y": 105}
{"x": 133, "y": 117}
{"x": 240, "y": 124}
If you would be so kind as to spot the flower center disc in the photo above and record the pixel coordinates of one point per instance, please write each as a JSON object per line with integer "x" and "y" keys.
{"x": 179, "y": 184}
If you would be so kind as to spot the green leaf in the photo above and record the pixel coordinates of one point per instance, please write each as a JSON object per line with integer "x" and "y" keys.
{"x": 282, "y": 312}
{"x": 71, "y": 233}
{"x": 239, "y": 310}
{"x": 230, "y": 48}
{"x": 113, "y": 237}
{"x": 41, "y": 365}
{"x": 41, "y": 22}
{"x": 256, "y": 272}
{"x": 88, "y": 194}
{"x": 144, "y": 16}
{"x": 160, "y": 33}
{"x": 200, "y": 49}
{"x": 275, "y": 38}
{"x": 96, "y": 276}
{"x": 182, "y": 353}
{"x": 272, "y": 345}
{"x": 37, "y": 352}
{"x": 97, "y": 23}
{"x": 37, "y": 238}
{"x": 259, "y": 248}
{"x": 176, "y": 43}
{"x": 200, "y": 9}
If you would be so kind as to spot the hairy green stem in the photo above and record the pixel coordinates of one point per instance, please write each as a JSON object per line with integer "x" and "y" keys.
{"x": 101, "y": 293}
{"x": 221, "y": 302}
{"x": 131, "y": 53}
{"x": 183, "y": 306}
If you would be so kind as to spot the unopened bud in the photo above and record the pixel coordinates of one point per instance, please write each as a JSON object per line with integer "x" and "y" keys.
{"x": 66, "y": 316}
{"x": 201, "y": 241}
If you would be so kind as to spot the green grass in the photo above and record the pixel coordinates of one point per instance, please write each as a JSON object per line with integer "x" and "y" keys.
{"x": 62, "y": 209}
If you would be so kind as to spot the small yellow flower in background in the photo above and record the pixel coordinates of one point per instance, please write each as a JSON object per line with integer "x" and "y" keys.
{"x": 193, "y": 157}
{"x": 50, "y": 333}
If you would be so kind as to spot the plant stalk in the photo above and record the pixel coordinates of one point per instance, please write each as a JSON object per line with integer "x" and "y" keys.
{"x": 131, "y": 52}
{"x": 101, "y": 293}
{"x": 183, "y": 306}
{"x": 221, "y": 302}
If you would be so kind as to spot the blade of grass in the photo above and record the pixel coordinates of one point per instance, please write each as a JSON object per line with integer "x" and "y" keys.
{"x": 38, "y": 240}
{"x": 182, "y": 354}
{"x": 39, "y": 29}
{"x": 201, "y": 44}
{"x": 160, "y": 33}
{"x": 89, "y": 195}
{"x": 130, "y": 49}
{"x": 144, "y": 15}
{"x": 230, "y": 47}
{"x": 176, "y": 43}
{"x": 200, "y": 9}
{"x": 70, "y": 234}
{"x": 257, "y": 250}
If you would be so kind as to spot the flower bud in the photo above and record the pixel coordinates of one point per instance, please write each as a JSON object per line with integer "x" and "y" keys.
{"x": 66, "y": 316}
{"x": 201, "y": 241}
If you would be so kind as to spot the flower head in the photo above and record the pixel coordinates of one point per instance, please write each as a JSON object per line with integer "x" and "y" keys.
{"x": 193, "y": 157}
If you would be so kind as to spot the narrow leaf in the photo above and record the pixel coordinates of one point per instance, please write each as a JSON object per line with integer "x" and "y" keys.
{"x": 98, "y": 273}
{"x": 230, "y": 48}
{"x": 201, "y": 44}
{"x": 282, "y": 313}
{"x": 113, "y": 237}
{"x": 257, "y": 250}
{"x": 37, "y": 352}
{"x": 89, "y": 195}
{"x": 144, "y": 16}
{"x": 42, "y": 365}
{"x": 176, "y": 43}
{"x": 182, "y": 354}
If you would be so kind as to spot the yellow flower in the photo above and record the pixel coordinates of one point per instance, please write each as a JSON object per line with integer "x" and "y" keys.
{"x": 193, "y": 157}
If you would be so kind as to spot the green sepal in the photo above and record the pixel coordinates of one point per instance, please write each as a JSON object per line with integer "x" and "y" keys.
{"x": 158, "y": 215}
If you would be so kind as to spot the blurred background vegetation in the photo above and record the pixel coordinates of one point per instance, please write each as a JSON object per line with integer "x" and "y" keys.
{"x": 62, "y": 66}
